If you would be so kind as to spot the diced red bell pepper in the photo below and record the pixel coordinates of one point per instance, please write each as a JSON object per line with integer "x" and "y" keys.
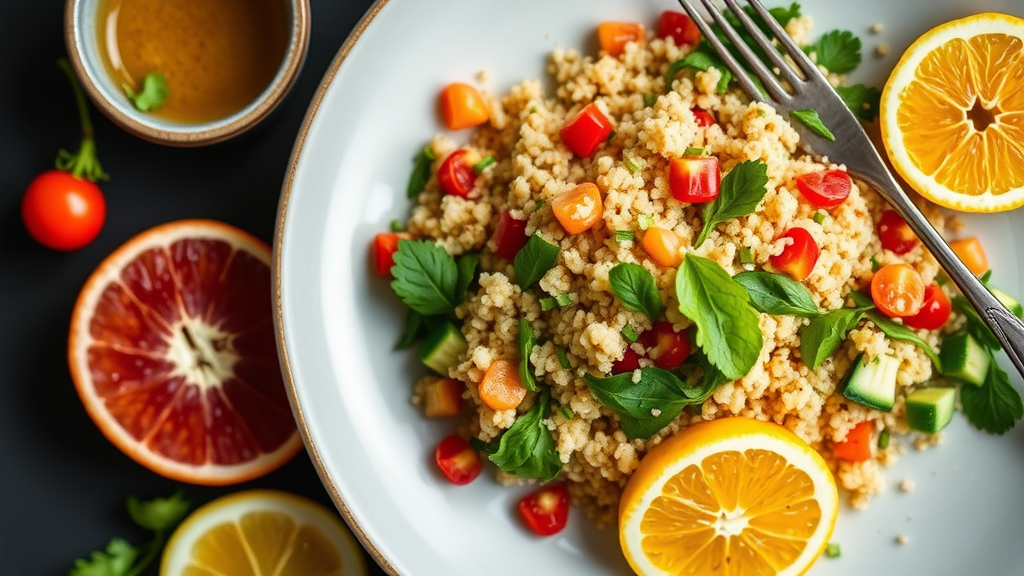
{"x": 456, "y": 175}
{"x": 385, "y": 244}
{"x": 666, "y": 347}
{"x": 586, "y": 131}
{"x": 546, "y": 511}
{"x": 459, "y": 461}
{"x": 703, "y": 117}
{"x": 895, "y": 234}
{"x": 694, "y": 179}
{"x": 678, "y": 26}
{"x": 825, "y": 189}
{"x": 934, "y": 312}
{"x": 856, "y": 447}
{"x": 799, "y": 256}
{"x": 509, "y": 236}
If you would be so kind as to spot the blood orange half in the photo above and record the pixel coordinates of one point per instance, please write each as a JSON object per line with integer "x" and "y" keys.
{"x": 172, "y": 352}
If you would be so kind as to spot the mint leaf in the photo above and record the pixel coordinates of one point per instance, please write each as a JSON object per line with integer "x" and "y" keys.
{"x": 821, "y": 338}
{"x": 426, "y": 277}
{"x": 159, "y": 514}
{"x": 644, "y": 407}
{"x": 728, "y": 327}
{"x": 420, "y": 172}
{"x": 527, "y": 449}
{"x": 809, "y": 117}
{"x": 634, "y": 285}
{"x": 837, "y": 50}
{"x": 777, "y": 294}
{"x": 862, "y": 100}
{"x": 152, "y": 95}
{"x": 995, "y": 406}
{"x": 740, "y": 194}
{"x": 534, "y": 260}
{"x": 525, "y": 349}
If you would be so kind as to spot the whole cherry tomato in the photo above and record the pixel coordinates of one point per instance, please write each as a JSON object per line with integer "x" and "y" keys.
{"x": 63, "y": 212}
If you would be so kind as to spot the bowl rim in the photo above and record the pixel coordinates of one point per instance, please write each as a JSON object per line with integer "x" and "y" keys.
{"x": 185, "y": 135}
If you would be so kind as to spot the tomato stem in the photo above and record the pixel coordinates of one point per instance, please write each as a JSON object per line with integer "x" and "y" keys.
{"x": 83, "y": 163}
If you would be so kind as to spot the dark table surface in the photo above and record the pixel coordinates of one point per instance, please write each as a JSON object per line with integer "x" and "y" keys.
{"x": 63, "y": 486}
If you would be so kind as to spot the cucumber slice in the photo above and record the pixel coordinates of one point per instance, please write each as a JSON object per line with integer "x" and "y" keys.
{"x": 873, "y": 383}
{"x": 964, "y": 359}
{"x": 930, "y": 409}
{"x": 443, "y": 348}
{"x": 1010, "y": 302}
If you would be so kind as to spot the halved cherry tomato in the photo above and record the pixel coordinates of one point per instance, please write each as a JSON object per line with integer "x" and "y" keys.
{"x": 546, "y": 511}
{"x": 459, "y": 461}
{"x": 934, "y": 312}
{"x": 385, "y": 244}
{"x": 694, "y": 179}
{"x": 62, "y": 211}
{"x": 462, "y": 106}
{"x": 586, "y": 131}
{"x": 456, "y": 175}
{"x": 825, "y": 189}
{"x": 895, "y": 234}
{"x": 679, "y": 27}
{"x": 703, "y": 117}
{"x": 799, "y": 256}
{"x": 662, "y": 245}
{"x": 578, "y": 209}
{"x": 897, "y": 290}
{"x": 613, "y": 36}
{"x": 857, "y": 445}
{"x": 442, "y": 398}
{"x": 971, "y": 252}
{"x": 509, "y": 236}
{"x": 629, "y": 362}
{"x": 666, "y": 347}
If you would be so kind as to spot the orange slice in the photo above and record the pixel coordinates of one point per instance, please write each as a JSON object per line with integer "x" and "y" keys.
{"x": 265, "y": 532}
{"x": 173, "y": 354}
{"x": 729, "y": 497}
{"x": 952, "y": 114}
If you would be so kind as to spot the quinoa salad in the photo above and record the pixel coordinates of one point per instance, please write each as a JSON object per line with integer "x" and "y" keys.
{"x": 628, "y": 310}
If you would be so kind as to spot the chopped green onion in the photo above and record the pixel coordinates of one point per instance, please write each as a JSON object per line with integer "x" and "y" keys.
{"x": 649, "y": 100}
{"x": 746, "y": 255}
{"x": 693, "y": 152}
{"x": 883, "y": 439}
{"x": 610, "y": 136}
{"x": 832, "y": 550}
{"x": 484, "y": 164}
{"x": 629, "y": 333}
{"x": 567, "y": 412}
{"x": 533, "y": 109}
{"x": 632, "y": 165}
{"x": 645, "y": 221}
{"x": 563, "y": 299}
{"x": 623, "y": 235}
{"x": 396, "y": 226}
{"x": 539, "y": 204}
{"x": 563, "y": 358}
{"x": 819, "y": 217}
{"x": 548, "y": 304}
{"x": 875, "y": 264}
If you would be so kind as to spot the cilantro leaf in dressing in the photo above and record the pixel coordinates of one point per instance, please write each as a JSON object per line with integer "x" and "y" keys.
{"x": 740, "y": 194}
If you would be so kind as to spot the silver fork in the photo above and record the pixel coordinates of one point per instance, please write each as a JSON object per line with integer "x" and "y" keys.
{"x": 810, "y": 90}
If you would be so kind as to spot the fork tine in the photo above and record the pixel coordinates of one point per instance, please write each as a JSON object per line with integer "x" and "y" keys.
{"x": 705, "y": 29}
{"x": 770, "y": 51}
{"x": 803, "y": 62}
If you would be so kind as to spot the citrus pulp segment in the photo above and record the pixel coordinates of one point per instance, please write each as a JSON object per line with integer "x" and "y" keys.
{"x": 733, "y": 496}
{"x": 952, "y": 114}
{"x": 172, "y": 351}
{"x": 262, "y": 533}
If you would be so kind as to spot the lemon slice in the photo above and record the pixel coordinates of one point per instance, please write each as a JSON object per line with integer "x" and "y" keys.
{"x": 952, "y": 114}
{"x": 262, "y": 533}
{"x": 730, "y": 496}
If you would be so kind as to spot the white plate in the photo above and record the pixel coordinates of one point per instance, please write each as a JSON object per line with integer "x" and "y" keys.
{"x": 337, "y": 323}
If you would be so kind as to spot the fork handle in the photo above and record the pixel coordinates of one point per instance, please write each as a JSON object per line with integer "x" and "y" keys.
{"x": 1008, "y": 329}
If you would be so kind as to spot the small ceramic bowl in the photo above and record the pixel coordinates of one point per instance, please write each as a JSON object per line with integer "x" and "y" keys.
{"x": 80, "y": 28}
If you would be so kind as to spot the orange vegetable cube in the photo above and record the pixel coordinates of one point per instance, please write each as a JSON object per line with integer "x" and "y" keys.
{"x": 579, "y": 209}
{"x": 462, "y": 106}
{"x": 613, "y": 36}
{"x": 442, "y": 398}
{"x": 500, "y": 387}
{"x": 971, "y": 252}
{"x": 663, "y": 246}
{"x": 857, "y": 445}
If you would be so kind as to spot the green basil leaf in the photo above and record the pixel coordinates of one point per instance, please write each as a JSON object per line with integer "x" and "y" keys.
{"x": 740, "y": 194}
{"x": 821, "y": 338}
{"x": 426, "y": 277}
{"x": 728, "y": 327}
{"x": 901, "y": 332}
{"x": 466, "y": 265}
{"x": 995, "y": 406}
{"x": 809, "y": 117}
{"x": 534, "y": 260}
{"x": 527, "y": 449}
{"x": 778, "y": 294}
{"x": 635, "y": 287}
{"x": 420, "y": 172}
{"x": 644, "y": 407}
{"x": 525, "y": 349}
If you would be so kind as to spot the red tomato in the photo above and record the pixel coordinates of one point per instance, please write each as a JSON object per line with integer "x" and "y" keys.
{"x": 630, "y": 361}
{"x": 703, "y": 117}
{"x": 934, "y": 311}
{"x": 895, "y": 234}
{"x": 510, "y": 236}
{"x": 694, "y": 179}
{"x": 456, "y": 175}
{"x": 799, "y": 256}
{"x": 586, "y": 131}
{"x": 679, "y": 27}
{"x": 897, "y": 290}
{"x": 666, "y": 347}
{"x": 385, "y": 244}
{"x": 63, "y": 212}
{"x": 857, "y": 445}
{"x": 825, "y": 189}
{"x": 546, "y": 511}
{"x": 459, "y": 461}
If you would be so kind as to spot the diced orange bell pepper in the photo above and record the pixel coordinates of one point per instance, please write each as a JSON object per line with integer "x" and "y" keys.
{"x": 663, "y": 246}
{"x": 579, "y": 209}
{"x": 613, "y": 36}
{"x": 500, "y": 387}
{"x": 462, "y": 106}
{"x": 442, "y": 398}
{"x": 971, "y": 252}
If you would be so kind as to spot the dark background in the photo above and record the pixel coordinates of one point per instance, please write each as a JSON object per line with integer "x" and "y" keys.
{"x": 63, "y": 486}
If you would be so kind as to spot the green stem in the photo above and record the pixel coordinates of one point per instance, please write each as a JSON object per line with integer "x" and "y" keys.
{"x": 152, "y": 551}
{"x": 84, "y": 163}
